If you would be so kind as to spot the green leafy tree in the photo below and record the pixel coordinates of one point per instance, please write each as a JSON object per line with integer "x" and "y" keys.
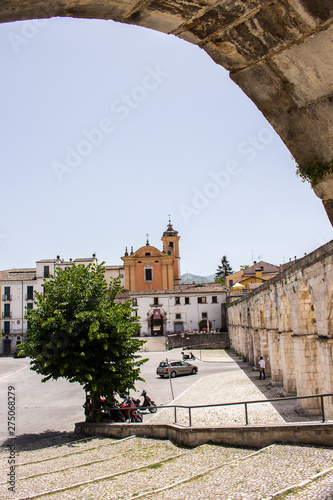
{"x": 81, "y": 332}
{"x": 223, "y": 270}
{"x": 244, "y": 266}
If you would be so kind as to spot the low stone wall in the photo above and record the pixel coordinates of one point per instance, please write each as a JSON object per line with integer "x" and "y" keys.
{"x": 250, "y": 436}
{"x": 203, "y": 340}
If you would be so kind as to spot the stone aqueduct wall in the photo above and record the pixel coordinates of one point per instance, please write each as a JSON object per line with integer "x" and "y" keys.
{"x": 277, "y": 51}
{"x": 289, "y": 321}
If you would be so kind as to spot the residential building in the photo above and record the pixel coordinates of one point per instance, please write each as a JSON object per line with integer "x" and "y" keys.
{"x": 186, "y": 308}
{"x": 257, "y": 274}
{"x": 17, "y": 293}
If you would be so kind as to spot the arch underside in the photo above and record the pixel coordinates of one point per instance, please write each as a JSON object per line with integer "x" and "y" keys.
{"x": 278, "y": 52}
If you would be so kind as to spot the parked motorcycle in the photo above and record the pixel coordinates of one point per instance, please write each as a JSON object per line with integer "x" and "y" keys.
{"x": 111, "y": 411}
{"x": 133, "y": 415}
{"x": 187, "y": 355}
{"x": 147, "y": 403}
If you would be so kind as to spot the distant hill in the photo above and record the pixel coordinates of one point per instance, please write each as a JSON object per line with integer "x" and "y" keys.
{"x": 190, "y": 278}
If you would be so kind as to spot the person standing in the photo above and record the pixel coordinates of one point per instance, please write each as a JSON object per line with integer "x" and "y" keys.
{"x": 262, "y": 368}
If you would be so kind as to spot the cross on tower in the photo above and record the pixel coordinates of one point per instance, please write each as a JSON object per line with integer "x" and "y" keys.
{"x": 147, "y": 236}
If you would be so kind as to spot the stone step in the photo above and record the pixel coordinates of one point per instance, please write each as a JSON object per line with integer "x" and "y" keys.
{"x": 147, "y": 468}
{"x": 67, "y": 448}
{"x": 128, "y": 448}
{"x": 153, "y": 344}
{"x": 270, "y": 471}
{"x": 35, "y": 477}
{"x": 157, "y": 475}
{"x": 320, "y": 488}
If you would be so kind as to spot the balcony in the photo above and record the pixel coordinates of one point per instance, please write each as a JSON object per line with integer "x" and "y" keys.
{"x": 6, "y": 314}
{"x": 30, "y": 296}
{"x": 6, "y": 298}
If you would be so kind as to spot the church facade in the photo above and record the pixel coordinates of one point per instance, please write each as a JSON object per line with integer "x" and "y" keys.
{"x": 163, "y": 304}
{"x": 150, "y": 269}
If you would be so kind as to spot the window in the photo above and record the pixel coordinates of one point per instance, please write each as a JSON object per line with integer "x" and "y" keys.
{"x": 135, "y": 302}
{"x": 30, "y": 305}
{"x": 147, "y": 254}
{"x": 214, "y": 299}
{"x": 177, "y": 300}
{"x": 7, "y": 293}
{"x": 187, "y": 300}
{"x": 6, "y": 327}
{"x": 231, "y": 282}
{"x": 202, "y": 300}
{"x": 6, "y": 311}
{"x": 30, "y": 293}
{"x": 178, "y": 316}
{"x": 155, "y": 301}
{"x": 148, "y": 275}
{"x": 171, "y": 244}
{"x": 204, "y": 315}
{"x": 46, "y": 271}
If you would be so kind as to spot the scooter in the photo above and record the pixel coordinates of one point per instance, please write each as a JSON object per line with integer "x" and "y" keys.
{"x": 147, "y": 403}
{"x": 187, "y": 355}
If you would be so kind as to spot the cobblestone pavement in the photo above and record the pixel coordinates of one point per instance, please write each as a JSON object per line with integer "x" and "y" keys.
{"x": 242, "y": 385}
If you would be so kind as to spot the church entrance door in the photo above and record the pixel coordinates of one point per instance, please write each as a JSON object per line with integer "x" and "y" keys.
{"x": 156, "y": 326}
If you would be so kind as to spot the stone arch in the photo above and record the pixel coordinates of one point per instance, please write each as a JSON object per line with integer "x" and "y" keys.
{"x": 306, "y": 317}
{"x": 278, "y": 53}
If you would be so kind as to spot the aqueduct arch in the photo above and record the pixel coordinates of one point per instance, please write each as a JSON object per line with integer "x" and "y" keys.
{"x": 277, "y": 51}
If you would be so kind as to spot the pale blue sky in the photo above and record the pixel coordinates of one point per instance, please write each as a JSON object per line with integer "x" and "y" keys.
{"x": 176, "y": 136}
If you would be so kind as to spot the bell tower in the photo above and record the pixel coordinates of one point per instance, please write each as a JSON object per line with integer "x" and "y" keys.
{"x": 170, "y": 241}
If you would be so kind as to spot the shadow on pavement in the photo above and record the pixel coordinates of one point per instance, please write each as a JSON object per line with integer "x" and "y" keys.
{"x": 289, "y": 410}
{"x": 38, "y": 441}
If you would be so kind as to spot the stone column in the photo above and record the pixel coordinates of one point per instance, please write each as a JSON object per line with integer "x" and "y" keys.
{"x": 249, "y": 346}
{"x": 308, "y": 377}
{"x": 326, "y": 366}
{"x": 274, "y": 356}
{"x": 264, "y": 351}
{"x": 287, "y": 363}
{"x": 256, "y": 346}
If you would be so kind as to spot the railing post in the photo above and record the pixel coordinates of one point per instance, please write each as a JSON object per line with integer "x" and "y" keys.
{"x": 246, "y": 415}
{"x": 322, "y": 408}
{"x": 175, "y": 414}
{"x": 189, "y": 416}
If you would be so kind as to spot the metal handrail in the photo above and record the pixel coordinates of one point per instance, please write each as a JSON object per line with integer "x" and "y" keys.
{"x": 245, "y": 403}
